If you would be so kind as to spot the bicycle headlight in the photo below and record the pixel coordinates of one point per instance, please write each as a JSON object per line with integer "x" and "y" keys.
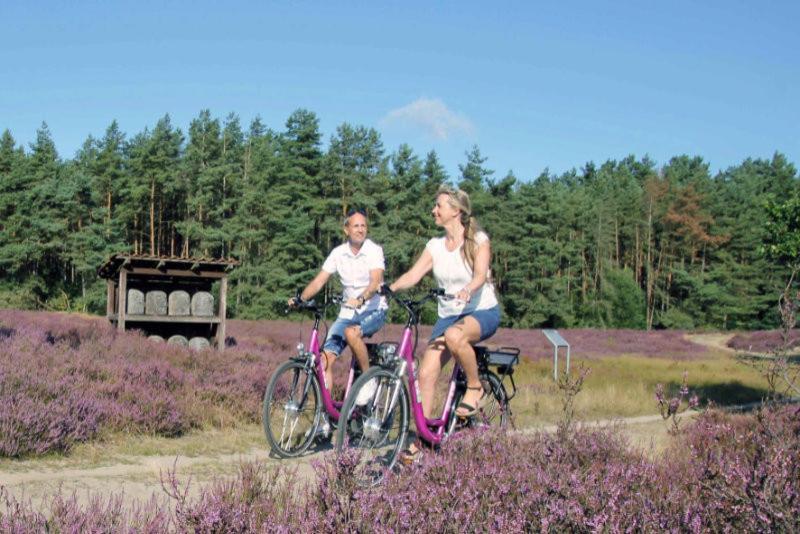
{"x": 301, "y": 349}
{"x": 387, "y": 352}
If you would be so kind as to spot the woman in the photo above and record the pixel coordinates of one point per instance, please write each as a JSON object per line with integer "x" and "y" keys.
{"x": 460, "y": 261}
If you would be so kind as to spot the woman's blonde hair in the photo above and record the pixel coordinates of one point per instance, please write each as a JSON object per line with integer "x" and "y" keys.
{"x": 459, "y": 200}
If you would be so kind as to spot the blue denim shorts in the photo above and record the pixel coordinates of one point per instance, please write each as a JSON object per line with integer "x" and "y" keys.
{"x": 370, "y": 322}
{"x": 488, "y": 320}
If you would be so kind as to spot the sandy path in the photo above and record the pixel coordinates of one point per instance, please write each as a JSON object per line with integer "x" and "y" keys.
{"x": 714, "y": 340}
{"x": 138, "y": 477}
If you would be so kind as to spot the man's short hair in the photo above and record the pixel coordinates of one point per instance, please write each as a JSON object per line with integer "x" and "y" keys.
{"x": 352, "y": 212}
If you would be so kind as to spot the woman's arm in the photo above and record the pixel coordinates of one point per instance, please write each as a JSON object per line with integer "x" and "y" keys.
{"x": 480, "y": 270}
{"x": 412, "y": 277}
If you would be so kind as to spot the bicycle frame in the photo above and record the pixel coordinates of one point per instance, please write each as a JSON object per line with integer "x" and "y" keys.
{"x": 331, "y": 406}
{"x": 423, "y": 424}
{"x": 430, "y": 430}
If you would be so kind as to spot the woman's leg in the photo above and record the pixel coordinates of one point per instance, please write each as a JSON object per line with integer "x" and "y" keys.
{"x": 459, "y": 339}
{"x": 435, "y": 357}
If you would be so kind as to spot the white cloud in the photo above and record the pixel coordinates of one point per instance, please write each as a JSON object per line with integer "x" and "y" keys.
{"x": 432, "y": 116}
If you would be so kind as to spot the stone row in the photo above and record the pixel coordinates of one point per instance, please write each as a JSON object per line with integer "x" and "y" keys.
{"x": 196, "y": 343}
{"x": 179, "y": 303}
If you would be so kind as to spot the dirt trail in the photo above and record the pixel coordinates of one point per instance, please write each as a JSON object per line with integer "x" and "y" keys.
{"x": 139, "y": 477}
{"x": 714, "y": 340}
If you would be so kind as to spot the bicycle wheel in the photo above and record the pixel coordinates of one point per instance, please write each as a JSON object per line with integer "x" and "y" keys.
{"x": 291, "y": 409}
{"x": 496, "y": 413}
{"x": 375, "y": 432}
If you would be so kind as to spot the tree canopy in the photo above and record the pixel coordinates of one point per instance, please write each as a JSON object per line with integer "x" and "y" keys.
{"x": 626, "y": 243}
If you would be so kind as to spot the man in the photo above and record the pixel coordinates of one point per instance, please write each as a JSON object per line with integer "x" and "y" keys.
{"x": 359, "y": 264}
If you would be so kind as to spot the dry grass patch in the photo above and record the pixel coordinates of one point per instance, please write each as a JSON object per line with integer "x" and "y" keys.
{"x": 624, "y": 386}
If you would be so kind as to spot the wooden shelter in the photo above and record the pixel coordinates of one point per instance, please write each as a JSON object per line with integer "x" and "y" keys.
{"x": 138, "y": 275}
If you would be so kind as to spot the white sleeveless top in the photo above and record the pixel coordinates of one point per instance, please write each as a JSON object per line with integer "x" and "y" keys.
{"x": 452, "y": 274}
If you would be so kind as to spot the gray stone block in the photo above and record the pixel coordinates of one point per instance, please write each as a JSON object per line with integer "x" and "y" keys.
{"x": 178, "y": 340}
{"x": 203, "y": 304}
{"x": 135, "y": 302}
{"x": 179, "y": 303}
{"x": 199, "y": 343}
{"x": 154, "y": 337}
{"x": 155, "y": 303}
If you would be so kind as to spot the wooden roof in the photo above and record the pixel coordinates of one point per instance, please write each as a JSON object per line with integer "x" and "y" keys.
{"x": 165, "y": 264}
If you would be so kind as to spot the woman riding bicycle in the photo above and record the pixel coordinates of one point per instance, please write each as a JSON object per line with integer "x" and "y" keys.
{"x": 359, "y": 263}
{"x": 460, "y": 261}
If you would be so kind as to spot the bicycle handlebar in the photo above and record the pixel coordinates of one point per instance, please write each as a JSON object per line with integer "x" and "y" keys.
{"x": 310, "y": 305}
{"x": 413, "y": 306}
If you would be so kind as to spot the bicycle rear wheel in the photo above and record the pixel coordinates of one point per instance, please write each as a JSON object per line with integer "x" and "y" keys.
{"x": 291, "y": 410}
{"x": 495, "y": 414}
{"x": 374, "y": 432}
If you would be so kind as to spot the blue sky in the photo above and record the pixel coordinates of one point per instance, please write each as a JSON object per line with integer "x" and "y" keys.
{"x": 534, "y": 85}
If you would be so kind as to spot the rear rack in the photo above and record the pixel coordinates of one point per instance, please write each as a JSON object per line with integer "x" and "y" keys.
{"x": 503, "y": 358}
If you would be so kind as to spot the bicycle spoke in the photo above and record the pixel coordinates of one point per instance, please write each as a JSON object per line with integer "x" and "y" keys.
{"x": 376, "y": 431}
{"x": 291, "y": 409}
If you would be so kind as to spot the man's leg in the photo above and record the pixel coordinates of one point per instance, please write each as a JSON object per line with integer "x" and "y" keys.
{"x": 356, "y": 343}
{"x": 332, "y": 348}
{"x": 328, "y": 358}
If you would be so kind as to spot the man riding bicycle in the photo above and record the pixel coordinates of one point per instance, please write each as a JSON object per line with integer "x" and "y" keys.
{"x": 359, "y": 264}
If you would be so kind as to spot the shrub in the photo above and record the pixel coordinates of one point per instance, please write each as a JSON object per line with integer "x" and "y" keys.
{"x": 725, "y": 473}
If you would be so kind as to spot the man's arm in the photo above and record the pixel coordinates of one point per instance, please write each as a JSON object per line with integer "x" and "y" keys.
{"x": 315, "y": 285}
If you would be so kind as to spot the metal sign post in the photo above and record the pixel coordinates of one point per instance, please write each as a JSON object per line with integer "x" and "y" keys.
{"x": 558, "y": 342}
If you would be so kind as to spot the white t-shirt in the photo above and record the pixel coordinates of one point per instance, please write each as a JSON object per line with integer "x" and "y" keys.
{"x": 452, "y": 274}
{"x": 353, "y": 271}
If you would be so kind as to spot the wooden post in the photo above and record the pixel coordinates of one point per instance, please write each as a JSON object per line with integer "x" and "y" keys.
{"x": 110, "y": 298}
{"x": 223, "y": 298}
{"x": 122, "y": 300}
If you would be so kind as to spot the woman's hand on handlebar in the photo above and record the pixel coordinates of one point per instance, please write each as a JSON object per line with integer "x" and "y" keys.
{"x": 464, "y": 295}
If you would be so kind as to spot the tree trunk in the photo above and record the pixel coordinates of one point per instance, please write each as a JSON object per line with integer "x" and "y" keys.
{"x": 649, "y": 267}
{"x": 152, "y": 217}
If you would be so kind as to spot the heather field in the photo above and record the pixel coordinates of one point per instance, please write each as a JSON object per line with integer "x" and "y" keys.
{"x": 724, "y": 473}
{"x": 77, "y": 395}
{"x": 67, "y": 379}
{"x": 764, "y": 341}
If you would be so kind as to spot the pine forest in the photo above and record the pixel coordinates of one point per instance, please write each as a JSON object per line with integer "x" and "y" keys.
{"x": 618, "y": 244}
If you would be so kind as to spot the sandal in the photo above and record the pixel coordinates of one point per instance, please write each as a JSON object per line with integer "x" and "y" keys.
{"x": 470, "y": 409}
{"x": 412, "y": 454}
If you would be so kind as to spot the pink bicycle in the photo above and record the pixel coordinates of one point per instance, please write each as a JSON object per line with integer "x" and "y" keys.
{"x": 292, "y": 413}
{"x": 377, "y": 431}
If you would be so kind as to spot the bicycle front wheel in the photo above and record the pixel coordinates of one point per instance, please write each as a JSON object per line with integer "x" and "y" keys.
{"x": 373, "y": 424}
{"x": 291, "y": 410}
